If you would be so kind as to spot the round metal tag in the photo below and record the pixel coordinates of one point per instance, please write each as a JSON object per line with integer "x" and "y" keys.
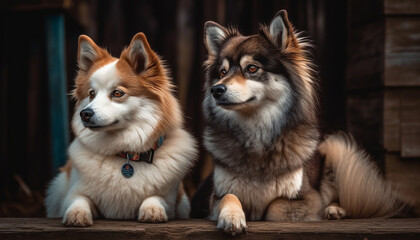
{"x": 127, "y": 170}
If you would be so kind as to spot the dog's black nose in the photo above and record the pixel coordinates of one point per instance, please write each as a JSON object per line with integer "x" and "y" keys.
{"x": 218, "y": 90}
{"x": 86, "y": 114}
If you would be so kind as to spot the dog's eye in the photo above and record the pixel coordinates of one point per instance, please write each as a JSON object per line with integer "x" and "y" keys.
{"x": 91, "y": 94}
{"x": 252, "y": 68}
{"x": 222, "y": 73}
{"x": 117, "y": 93}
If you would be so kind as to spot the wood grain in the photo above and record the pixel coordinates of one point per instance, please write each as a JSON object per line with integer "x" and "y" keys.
{"x": 39, "y": 228}
{"x": 402, "y": 51}
{"x": 403, "y": 174}
{"x": 392, "y": 142}
{"x": 402, "y": 121}
{"x": 401, "y": 7}
{"x": 410, "y": 123}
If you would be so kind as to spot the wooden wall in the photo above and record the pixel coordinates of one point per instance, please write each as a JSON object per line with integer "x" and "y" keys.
{"x": 383, "y": 84}
{"x": 402, "y": 95}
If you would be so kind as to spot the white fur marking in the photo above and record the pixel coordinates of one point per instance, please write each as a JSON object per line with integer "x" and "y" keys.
{"x": 153, "y": 209}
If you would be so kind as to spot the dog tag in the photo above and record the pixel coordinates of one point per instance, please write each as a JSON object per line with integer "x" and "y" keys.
{"x": 127, "y": 170}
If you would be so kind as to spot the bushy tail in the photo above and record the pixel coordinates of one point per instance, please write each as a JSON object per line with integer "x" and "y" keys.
{"x": 361, "y": 190}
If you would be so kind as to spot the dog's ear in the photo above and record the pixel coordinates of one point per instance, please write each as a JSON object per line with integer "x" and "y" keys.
{"x": 214, "y": 34}
{"x": 88, "y": 52}
{"x": 139, "y": 54}
{"x": 280, "y": 31}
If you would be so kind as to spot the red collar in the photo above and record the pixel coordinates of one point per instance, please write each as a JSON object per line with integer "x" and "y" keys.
{"x": 143, "y": 156}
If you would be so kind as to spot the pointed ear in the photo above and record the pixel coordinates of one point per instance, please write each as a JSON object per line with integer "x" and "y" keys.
{"x": 88, "y": 52}
{"x": 213, "y": 36}
{"x": 281, "y": 30}
{"x": 139, "y": 53}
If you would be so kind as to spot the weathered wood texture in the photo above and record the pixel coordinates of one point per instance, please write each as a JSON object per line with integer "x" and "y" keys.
{"x": 403, "y": 174}
{"x": 401, "y": 7}
{"x": 402, "y": 121}
{"x": 392, "y": 120}
{"x": 402, "y": 51}
{"x": 383, "y": 69}
{"x": 410, "y": 123}
{"x": 14, "y": 228}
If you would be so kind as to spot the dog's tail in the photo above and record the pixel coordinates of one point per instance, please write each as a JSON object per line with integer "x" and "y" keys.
{"x": 362, "y": 191}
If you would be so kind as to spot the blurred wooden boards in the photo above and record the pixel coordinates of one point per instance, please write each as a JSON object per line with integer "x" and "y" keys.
{"x": 403, "y": 175}
{"x": 402, "y": 121}
{"x": 402, "y": 51}
{"x": 401, "y": 7}
{"x": 383, "y": 75}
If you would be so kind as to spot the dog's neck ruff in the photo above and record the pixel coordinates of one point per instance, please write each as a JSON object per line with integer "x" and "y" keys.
{"x": 143, "y": 156}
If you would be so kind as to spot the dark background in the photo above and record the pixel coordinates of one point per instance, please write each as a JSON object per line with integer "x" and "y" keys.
{"x": 350, "y": 51}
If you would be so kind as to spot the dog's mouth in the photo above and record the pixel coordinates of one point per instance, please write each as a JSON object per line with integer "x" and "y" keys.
{"x": 224, "y": 103}
{"x": 100, "y": 127}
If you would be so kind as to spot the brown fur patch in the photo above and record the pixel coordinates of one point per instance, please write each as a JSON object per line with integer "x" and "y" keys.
{"x": 67, "y": 168}
{"x": 229, "y": 200}
{"x": 235, "y": 79}
{"x": 153, "y": 83}
{"x": 83, "y": 75}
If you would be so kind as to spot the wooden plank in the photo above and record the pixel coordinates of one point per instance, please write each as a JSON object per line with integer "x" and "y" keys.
{"x": 410, "y": 123}
{"x": 401, "y": 7}
{"x": 392, "y": 120}
{"x": 54, "y": 25}
{"x": 39, "y": 228}
{"x": 403, "y": 174}
{"x": 402, "y": 51}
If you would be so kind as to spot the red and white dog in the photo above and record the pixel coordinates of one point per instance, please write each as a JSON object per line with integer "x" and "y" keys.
{"x": 130, "y": 152}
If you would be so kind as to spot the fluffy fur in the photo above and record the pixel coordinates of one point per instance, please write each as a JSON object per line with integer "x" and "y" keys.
{"x": 352, "y": 184}
{"x": 133, "y": 106}
{"x": 261, "y": 106}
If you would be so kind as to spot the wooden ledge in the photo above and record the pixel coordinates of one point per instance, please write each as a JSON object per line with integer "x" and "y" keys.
{"x": 41, "y": 228}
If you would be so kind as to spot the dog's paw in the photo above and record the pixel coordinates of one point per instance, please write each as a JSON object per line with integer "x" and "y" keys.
{"x": 152, "y": 214}
{"x": 334, "y": 212}
{"x": 77, "y": 217}
{"x": 232, "y": 221}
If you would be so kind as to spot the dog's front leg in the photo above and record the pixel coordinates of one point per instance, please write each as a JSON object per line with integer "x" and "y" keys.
{"x": 153, "y": 210}
{"x": 79, "y": 212}
{"x": 229, "y": 214}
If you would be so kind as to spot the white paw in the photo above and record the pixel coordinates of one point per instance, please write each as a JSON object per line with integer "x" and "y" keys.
{"x": 78, "y": 217}
{"x": 334, "y": 212}
{"x": 152, "y": 214}
{"x": 232, "y": 221}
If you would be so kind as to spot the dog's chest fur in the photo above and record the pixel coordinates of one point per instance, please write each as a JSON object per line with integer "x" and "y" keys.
{"x": 117, "y": 197}
{"x": 101, "y": 180}
{"x": 256, "y": 194}
{"x": 259, "y": 177}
